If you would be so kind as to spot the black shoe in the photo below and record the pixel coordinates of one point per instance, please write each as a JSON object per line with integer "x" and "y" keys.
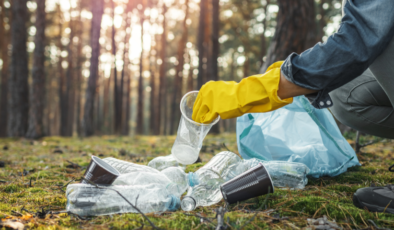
{"x": 376, "y": 199}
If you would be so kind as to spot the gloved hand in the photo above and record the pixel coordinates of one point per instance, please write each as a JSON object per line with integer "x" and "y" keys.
{"x": 254, "y": 94}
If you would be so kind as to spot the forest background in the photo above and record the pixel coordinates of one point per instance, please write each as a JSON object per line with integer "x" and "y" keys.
{"x": 98, "y": 67}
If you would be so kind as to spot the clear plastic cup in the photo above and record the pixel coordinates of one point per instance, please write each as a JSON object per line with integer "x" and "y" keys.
{"x": 190, "y": 134}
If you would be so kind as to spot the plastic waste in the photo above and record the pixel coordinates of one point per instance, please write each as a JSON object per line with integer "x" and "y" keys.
{"x": 203, "y": 195}
{"x": 173, "y": 179}
{"x": 164, "y": 162}
{"x": 283, "y": 173}
{"x": 124, "y": 167}
{"x": 87, "y": 200}
{"x": 296, "y": 133}
{"x": 190, "y": 134}
{"x": 221, "y": 161}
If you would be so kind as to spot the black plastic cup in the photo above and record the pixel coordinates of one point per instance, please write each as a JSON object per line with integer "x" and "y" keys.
{"x": 252, "y": 183}
{"x": 100, "y": 172}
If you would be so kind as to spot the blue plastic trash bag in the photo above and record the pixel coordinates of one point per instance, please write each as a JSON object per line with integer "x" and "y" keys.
{"x": 296, "y": 133}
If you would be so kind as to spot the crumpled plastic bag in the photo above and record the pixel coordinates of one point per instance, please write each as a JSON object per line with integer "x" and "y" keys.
{"x": 296, "y": 133}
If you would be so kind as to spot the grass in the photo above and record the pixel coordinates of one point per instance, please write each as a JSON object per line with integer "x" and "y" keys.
{"x": 44, "y": 162}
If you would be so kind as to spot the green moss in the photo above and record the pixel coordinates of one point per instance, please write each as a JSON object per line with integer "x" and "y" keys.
{"x": 331, "y": 196}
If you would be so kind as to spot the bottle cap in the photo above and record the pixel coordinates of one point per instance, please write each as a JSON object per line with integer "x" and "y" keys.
{"x": 252, "y": 183}
{"x": 174, "y": 204}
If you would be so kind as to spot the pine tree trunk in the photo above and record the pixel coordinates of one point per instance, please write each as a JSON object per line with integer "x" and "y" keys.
{"x": 62, "y": 79}
{"x": 153, "y": 93}
{"x": 97, "y": 10}
{"x": 78, "y": 93}
{"x": 18, "y": 106}
{"x": 292, "y": 34}
{"x": 140, "y": 105}
{"x": 4, "y": 41}
{"x": 162, "y": 72}
{"x": 70, "y": 84}
{"x": 117, "y": 87}
{"x": 36, "y": 113}
{"x": 263, "y": 44}
{"x": 125, "y": 78}
{"x": 200, "y": 43}
{"x": 178, "y": 78}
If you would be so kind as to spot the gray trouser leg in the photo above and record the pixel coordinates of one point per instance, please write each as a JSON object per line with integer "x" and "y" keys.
{"x": 367, "y": 103}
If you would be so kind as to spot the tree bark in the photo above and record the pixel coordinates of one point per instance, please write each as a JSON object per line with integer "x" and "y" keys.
{"x": 70, "y": 83}
{"x": 178, "y": 78}
{"x": 200, "y": 43}
{"x": 153, "y": 92}
{"x": 18, "y": 106}
{"x": 140, "y": 105}
{"x": 263, "y": 44}
{"x": 61, "y": 80}
{"x": 4, "y": 41}
{"x": 36, "y": 113}
{"x": 126, "y": 77}
{"x": 78, "y": 94}
{"x": 162, "y": 73}
{"x": 97, "y": 10}
{"x": 117, "y": 86}
{"x": 294, "y": 23}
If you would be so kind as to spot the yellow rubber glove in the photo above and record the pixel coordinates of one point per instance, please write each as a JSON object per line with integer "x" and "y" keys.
{"x": 228, "y": 99}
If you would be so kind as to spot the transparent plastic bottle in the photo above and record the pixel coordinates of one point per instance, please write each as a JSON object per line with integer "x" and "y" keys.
{"x": 87, "y": 200}
{"x": 283, "y": 173}
{"x": 221, "y": 161}
{"x": 175, "y": 184}
{"x": 126, "y": 167}
{"x": 203, "y": 195}
{"x": 164, "y": 162}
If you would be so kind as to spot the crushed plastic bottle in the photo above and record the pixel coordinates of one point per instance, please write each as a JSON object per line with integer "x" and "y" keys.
{"x": 283, "y": 173}
{"x": 175, "y": 184}
{"x": 163, "y": 162}
{"x": 87, "y": 200}
{"x": 126, "y": 167}
{"x": 221, "y": 161}
{"x": 203, "y": 195}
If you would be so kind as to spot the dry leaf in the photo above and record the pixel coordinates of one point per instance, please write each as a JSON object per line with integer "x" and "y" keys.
{"x": 12, "y": 224}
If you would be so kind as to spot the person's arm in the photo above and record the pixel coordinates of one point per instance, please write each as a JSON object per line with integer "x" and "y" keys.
{"x": 366, "y": 29}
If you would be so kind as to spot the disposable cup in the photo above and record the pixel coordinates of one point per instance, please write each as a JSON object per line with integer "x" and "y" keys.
{"x": 100, "y": 172}
{"x": 191, "y": 134}
{"x": 252, "y": 183}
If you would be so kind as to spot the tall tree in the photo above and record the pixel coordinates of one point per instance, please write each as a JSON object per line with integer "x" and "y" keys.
{"x": 37, "y": 98}
{"x": 293, "y": 26}
{"x": 97, "y": 10}
{"x": 140, "y": 104}
{"x": 78, "y": 93}
{"x": 117, "y": 86}
{"x": 4, "y": 41}
{"x": 200, "y": 42}
{"x": 70, "y": 82}
{"x": 61, "y": 76}
{"x": 125, "y": 75}
{"x": 162, "y": 72}
{"x": 263, "y": 45}
{"x": 18, "y": 106}
{"x": 177, "y": 90}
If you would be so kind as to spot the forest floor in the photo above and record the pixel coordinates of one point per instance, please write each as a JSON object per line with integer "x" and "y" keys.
{"x": 34, "y": 174}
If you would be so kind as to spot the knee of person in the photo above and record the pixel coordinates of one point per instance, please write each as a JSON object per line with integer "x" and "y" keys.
{"x": 339, "y": 99}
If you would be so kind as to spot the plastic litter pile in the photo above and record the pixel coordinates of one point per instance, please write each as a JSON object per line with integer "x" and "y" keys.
{"x": 154, "y": 190}
{"x": 160, "y": 186}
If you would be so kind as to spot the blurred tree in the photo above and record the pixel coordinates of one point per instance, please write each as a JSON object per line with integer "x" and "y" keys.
{"x": 125, "y": 76}
{"x": 37, "y": 98}
{"x": 18, "y": 107}
{"x": 177, "y": 90}
{"x": 117, "y": 85}
{"x": 80, "y": 59}
{"x": 69, "y": 93}
{"x": 97, "y": 11}
{"x": 200, "y": 43}
{"x": 162, "y": 73}
{"x": 60, "y": 73}
{"x": 140, "y": 104}
{"x": 293, "y": 28}
{"x": 4, "y": 42}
